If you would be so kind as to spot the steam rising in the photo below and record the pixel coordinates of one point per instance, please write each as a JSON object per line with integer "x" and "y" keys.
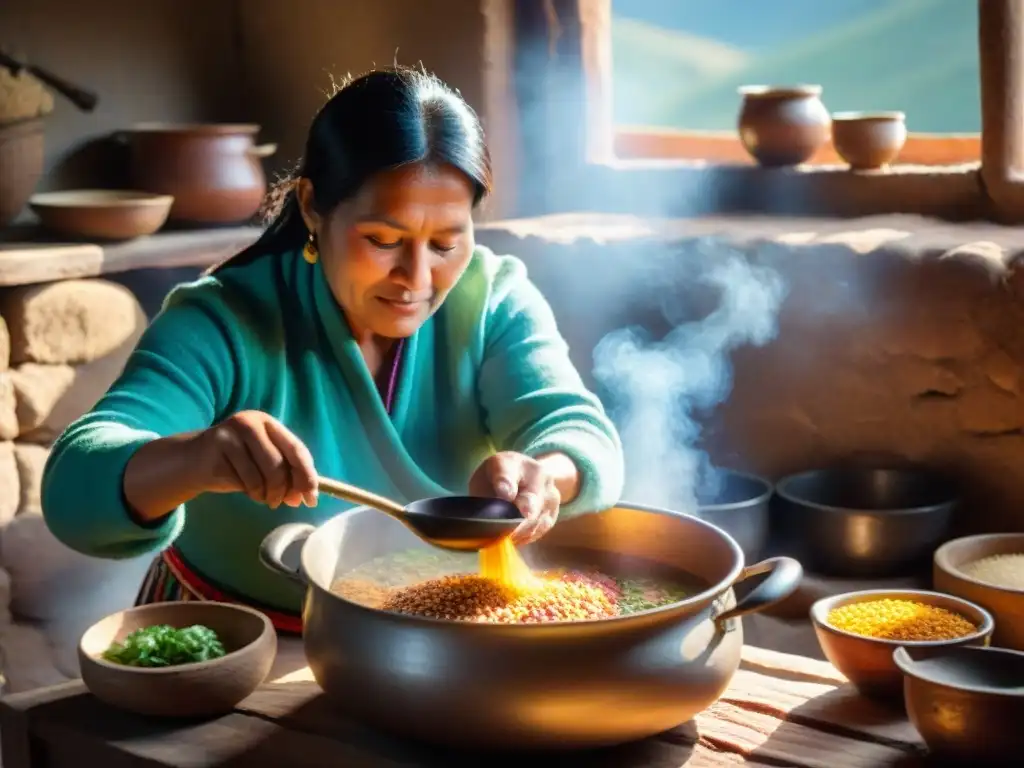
{"x": 657, "y": 388}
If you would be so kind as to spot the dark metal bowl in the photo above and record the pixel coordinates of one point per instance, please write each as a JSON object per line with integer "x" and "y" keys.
{"x": 738, "y": 504}
{"x": 855, "y": 522}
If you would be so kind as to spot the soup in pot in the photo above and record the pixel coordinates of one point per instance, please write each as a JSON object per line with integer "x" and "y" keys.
{"x": 569, "y": 585}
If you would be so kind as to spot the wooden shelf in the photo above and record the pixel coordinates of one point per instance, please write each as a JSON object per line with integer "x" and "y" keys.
{"x": 28, "y": 257}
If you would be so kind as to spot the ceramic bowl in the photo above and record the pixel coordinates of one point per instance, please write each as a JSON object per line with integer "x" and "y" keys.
{"x": 201, "y": 689}
{"x": 867, "y": 662}
{"x": 1005, "y": 605}
{"x": 966, "y": 702}
{"x": 101, "y": 213}
{"x": 868, "y": 140}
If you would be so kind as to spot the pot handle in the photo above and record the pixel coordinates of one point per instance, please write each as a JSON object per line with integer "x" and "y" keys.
{"x": 262, "y": 150}
{"x": 276, "y": 543}
{"x": 784, "y": 579}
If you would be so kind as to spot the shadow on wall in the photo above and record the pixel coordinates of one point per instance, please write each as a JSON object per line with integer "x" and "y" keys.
{"x": 166, "y": 60}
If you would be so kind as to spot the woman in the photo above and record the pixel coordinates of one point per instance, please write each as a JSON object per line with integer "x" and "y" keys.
{"x": 363, "y": 337}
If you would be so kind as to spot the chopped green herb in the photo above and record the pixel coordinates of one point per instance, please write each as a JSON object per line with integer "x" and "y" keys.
{"x": 644, "y": 594}
{"x": 165, "y": 646}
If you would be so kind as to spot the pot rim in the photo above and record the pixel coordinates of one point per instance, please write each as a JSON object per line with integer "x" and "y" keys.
{"x": 782, "y": 489}
{"x": 941, "y": 559}
{"x": 205, "y": 129}
{"x": 881, "y": 116}
{"x": 779, "y": 91}
{"x": 98, "y": 199}
{"x": 227, "y": 658}
{"x": 907, "y": 665}
{"x": 706, "y": 596}
{"x": 765, "y": 495}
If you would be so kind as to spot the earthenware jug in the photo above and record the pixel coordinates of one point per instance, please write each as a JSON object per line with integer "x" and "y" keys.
{"x": 782, "y": 126}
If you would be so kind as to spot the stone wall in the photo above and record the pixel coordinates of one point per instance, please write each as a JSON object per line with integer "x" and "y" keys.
{"x": 64, "y": 344}
{"x": 899, "y": 339}
{"x": 61, "y": 346}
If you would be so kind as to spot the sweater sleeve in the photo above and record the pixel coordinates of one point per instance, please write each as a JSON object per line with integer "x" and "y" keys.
{"x": 179, "y": 378}
{"x": 533, "y": 397}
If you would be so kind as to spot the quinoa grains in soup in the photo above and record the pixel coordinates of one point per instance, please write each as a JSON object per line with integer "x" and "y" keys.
{"x": 441, "y": 585}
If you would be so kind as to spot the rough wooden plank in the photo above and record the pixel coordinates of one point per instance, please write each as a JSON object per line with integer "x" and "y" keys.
{"x": 821, "y": 705}
{"x": 300, "y": 707}
{"x": 29, "y": 262}
{"x": 765, "y": 737}
{"x": 15, "y": 746}
{"x": 815, "y": 717}
{"x": 780, "y": 710}
{"x": 233, "y": 741}
{"x": 788, "y": 666}
{"x": 42, "y": 696}
{"x": 79, "y": 729}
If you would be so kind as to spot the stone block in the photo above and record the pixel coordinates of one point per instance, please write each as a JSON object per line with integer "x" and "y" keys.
{"x": 5, "y": 346}
{"x": 30, "y": 459}
{"x": 73, "y": 321}
{"x": 50, "y": 396}
{"x": 8, "y": 407}
{"x": 10, "y": 486}
{"x": 52, "y": 583}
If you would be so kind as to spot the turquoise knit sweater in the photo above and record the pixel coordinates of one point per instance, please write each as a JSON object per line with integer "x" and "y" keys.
{"x": 489, "y": 371}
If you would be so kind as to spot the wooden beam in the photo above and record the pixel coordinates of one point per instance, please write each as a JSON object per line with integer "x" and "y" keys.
{"x": 1001, "y": 47}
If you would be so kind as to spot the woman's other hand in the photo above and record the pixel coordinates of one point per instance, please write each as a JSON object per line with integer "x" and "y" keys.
{"x": 526, "y": 483}
{"x": 255, "y": 454}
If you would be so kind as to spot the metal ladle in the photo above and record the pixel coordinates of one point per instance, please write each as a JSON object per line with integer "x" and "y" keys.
{"x": 460, "y": 523}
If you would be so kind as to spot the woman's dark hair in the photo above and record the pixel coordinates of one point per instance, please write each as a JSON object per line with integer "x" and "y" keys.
{"x": 382, "y": 120}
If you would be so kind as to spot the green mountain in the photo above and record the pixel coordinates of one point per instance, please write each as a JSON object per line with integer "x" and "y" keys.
{"x": 919, "y": 56}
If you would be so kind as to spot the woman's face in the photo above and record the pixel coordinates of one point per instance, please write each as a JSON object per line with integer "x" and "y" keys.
{"x": 393, "y": 252}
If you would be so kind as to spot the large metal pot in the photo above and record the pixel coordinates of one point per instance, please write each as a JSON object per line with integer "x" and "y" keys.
{"x": 213, "y": 170}
{"x": 560, "y": 685}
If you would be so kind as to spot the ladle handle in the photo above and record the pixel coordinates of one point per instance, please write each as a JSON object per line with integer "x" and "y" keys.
{"x": 346, "y": 492}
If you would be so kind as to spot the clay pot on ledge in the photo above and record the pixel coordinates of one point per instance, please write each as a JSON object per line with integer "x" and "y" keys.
{"x": 213, "y": 171}
{"x": 868, "y": 140}
{"x": 783, "y": 125}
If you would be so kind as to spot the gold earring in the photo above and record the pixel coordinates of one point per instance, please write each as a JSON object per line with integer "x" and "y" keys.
{"x": 309, "y": 251}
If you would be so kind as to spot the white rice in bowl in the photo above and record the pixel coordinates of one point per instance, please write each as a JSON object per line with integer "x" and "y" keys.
{"x": 1006, "y": 571}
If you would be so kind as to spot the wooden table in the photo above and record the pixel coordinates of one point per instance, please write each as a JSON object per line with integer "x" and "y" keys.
{"x": 780, "y": 710}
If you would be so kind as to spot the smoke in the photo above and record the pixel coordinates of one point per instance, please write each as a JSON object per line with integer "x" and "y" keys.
{"x": 658, "y": 388}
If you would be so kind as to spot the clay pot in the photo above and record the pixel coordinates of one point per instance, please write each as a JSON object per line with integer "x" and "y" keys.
{"x": 1006, "y": 604}
{"x": 782, "y": 126}
{"x": 213, "y": 171}
{"x": 868, "y": 140}
{"x": 21, "y": 165}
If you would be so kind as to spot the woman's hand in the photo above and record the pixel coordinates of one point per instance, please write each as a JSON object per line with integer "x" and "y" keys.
{"x": 255, "y": 454}
{"x": 527, "y": 483}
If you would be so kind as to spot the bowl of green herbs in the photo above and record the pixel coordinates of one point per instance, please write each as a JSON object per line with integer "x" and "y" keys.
{"x": 189, "y": 659}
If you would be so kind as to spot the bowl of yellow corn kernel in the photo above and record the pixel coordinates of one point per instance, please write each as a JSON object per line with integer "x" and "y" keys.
{"x": 859, "y": 632}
